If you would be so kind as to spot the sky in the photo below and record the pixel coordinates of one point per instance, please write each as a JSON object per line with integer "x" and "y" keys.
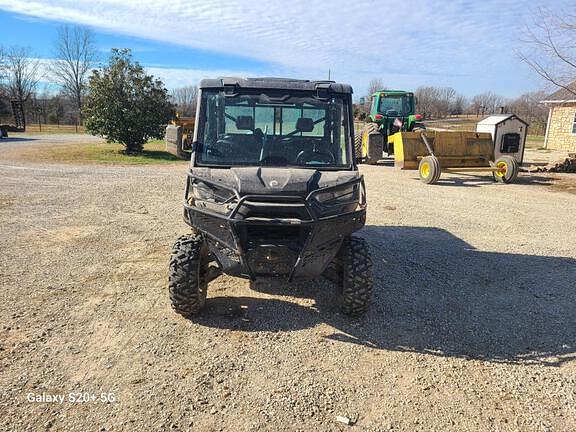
{"x": 465, "y": 44}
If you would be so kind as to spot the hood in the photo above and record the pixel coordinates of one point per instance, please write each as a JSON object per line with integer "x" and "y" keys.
{"x": 274, "y": 181}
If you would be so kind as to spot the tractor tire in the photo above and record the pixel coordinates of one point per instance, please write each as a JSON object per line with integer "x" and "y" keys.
{"x": 187, "y": 270}
{"x": 508, "y": 169}
{"x": 356, "y": 281}
{"x": 362, "y": 148}
{"x": 358, "y": 147}
{"x": 429, "y": 169}
{"x": 372, "y": 143}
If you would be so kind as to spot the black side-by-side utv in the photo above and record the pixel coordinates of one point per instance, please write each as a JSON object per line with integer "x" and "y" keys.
{"x": 273, "y": 191}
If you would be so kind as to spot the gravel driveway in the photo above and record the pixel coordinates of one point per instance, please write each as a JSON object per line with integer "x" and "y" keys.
{"x": 473, "y": 325}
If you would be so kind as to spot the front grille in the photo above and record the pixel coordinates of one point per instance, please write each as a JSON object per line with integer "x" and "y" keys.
{"x": 287, "y": 209}
{"x": 254, "y": 235}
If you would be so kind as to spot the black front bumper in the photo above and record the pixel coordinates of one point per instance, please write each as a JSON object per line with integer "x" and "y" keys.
{"x": 256, "y": 239}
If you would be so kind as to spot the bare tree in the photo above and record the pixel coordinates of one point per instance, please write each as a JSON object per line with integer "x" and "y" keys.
{"x": 22, "y": 74}
{"x": 438, "y": 101}
{"x": 3, "y": 89}
{"x": 426, "y": 97}
{"x": 549, "y": 47}
{"x": 4, "y": 108}
{"x": 458, "y": 105}
{"x": 2, "y": 67}
{"x": 75, "y": 56}
{"x": 529, "y": 108}
{"x": 487, "y": 103}
{"x": 375, "y": 85}
{"x": 185, "y": 99}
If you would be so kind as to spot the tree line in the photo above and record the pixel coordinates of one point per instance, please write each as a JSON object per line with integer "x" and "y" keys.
{"x": 53, "y": 91}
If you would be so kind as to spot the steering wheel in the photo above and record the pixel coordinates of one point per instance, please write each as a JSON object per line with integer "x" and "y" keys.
{"x": 316, "y": 156}
{"x": 222, "y": 146}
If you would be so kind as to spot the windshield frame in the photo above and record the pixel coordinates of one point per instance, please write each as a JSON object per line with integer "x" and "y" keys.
{"x": 279, "y": 97}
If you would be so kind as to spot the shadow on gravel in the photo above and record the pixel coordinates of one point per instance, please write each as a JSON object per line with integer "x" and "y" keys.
{"x": 469, "y": 180}
{"x": 434, "y": 294}
{"x": 14, "y": 139}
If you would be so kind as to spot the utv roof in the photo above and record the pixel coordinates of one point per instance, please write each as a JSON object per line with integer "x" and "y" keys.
{"x": 275, "y": 84}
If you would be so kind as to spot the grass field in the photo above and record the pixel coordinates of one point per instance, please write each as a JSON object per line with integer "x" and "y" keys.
{"x": 100, "y": 153}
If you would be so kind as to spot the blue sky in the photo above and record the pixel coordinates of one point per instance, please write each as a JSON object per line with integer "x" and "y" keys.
{"x": 468, "y": 45}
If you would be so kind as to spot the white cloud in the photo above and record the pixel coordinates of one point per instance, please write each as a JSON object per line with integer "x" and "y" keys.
{"x": 171, "y": 77}
{"x": 404, "y": 42}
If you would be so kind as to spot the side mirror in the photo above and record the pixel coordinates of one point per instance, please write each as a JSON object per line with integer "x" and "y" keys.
{"x": 188, "y": 145}
{"x": 362, "y": 100}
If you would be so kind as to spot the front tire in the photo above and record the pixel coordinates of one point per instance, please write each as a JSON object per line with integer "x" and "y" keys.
{"x": 188, "y": 268}
{"x": 357, "y": 282}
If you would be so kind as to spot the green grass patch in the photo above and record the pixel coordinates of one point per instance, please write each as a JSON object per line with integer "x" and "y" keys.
{"x": 100, "y": 153}
{"x": 534, "y": 141}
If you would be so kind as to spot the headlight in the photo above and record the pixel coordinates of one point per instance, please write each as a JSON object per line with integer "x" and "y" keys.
{"x": 339, "y": 200}
{"x": 338, "y": 196}
{"x": 210, "y": 197}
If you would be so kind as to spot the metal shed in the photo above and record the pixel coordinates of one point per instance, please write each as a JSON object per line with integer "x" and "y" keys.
{"x": 508, "y": 134}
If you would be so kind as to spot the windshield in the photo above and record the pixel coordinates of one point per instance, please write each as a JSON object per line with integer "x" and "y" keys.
{"x": 395, "y": 105}
{"x": 272, "y": 129}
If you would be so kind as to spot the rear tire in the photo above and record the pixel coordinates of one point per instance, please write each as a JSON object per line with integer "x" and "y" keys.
{"x": 507, "y": 169}
{"x": 358, "y": 146}
{"x": 362, "y": 148}
{"x": 429, "y": 169}
{"x": 357, "y": 282}
{"x": 186, "y": 280}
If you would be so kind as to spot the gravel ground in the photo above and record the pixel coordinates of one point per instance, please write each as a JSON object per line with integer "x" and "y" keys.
{"x": 472, "y": 325}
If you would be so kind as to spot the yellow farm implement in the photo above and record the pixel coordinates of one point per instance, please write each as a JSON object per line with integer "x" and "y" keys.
{"x": 433, "y": 152}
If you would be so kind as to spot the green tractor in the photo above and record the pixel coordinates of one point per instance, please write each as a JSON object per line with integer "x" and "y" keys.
{"x": 391, "y": 111}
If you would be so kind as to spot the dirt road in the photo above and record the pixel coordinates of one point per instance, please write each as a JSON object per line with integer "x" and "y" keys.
{"x": 473, "y": 325}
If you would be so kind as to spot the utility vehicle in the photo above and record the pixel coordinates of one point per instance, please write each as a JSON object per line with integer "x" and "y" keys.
{"x": 273, "y": 191}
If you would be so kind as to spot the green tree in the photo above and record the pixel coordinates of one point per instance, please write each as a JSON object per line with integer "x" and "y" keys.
{"x": 125, "y": 105}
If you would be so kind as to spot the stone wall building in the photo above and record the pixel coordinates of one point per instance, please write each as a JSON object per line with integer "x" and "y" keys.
{"x": 561, "y": 126}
